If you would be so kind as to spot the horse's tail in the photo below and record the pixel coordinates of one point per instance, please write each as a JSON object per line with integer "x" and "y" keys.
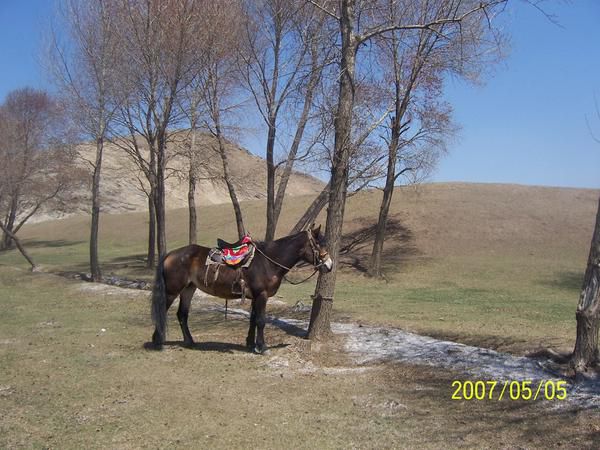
{"x": 159, "y": 306}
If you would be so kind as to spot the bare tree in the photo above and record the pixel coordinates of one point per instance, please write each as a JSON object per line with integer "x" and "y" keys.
{"x": 281, "y": 67}
{"x": 415, "y": 64}
{"x": 35, "y": 162}
{"x": 193, "y": 99}
{"x": 157, "y": 39}
{"x": 85, "y": 72}
{"x": 357, "y": 27}
{"x": 586, "y": 353}
{"x": 218, "y": 85}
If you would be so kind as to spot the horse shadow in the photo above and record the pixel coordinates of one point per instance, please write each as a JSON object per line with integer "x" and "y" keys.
{"x": 291, "y": 329}
{"x": 211, "y": 346}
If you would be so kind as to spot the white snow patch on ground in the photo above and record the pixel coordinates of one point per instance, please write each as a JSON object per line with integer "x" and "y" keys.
{"x": 368, "y": 345}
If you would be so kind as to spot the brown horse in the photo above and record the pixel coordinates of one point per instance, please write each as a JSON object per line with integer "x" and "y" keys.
{"x": 184, "y": 270}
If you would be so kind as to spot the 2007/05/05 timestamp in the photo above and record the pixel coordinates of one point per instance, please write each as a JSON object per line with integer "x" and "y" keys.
{"x": 509, "y": 390}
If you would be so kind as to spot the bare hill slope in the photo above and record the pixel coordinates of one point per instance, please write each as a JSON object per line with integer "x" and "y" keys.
{"x": 440, "y": 219}
{"x": 123, "y": 184}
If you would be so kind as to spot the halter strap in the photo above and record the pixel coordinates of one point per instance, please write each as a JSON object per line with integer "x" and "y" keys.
{"x": 317, "y": 255}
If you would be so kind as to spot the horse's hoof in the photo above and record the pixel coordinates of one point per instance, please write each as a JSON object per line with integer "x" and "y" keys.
{"x": 188, "y": 344}
{"x": 251, "y": 348}
{"x": 153, "y": 346}
{"x": 261, "y": 350}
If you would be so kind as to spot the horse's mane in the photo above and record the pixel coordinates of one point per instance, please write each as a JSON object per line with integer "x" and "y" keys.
{"x": 283, "y": 240}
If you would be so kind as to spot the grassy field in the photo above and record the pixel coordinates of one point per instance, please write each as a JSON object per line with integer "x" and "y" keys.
{"x": 496, "y": 266}
{"x": 493, "y": 265}
{"x": 75, "y": 375}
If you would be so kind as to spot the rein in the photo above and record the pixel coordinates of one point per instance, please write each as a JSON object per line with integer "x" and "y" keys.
{"x": 302, "y": 281}
{"x": 316, "y": 266}
{"x": 272, "y": 260}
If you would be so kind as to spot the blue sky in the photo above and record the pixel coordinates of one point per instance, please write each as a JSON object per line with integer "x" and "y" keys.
{"x": 526, "y": 124}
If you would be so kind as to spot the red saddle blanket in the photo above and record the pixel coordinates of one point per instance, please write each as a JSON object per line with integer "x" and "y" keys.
{"x": 236, "y": 255}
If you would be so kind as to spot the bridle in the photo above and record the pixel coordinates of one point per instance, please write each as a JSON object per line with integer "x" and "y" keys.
{"x": 318, "y": 258}
{"x": 318, "y": 255}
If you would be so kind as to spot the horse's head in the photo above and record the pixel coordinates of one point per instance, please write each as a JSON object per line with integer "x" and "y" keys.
{"x": 315, "y": 252}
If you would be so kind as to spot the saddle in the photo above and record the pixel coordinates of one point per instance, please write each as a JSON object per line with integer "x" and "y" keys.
{"x": 237, "y": 254}
{"x": 221, "y": 244}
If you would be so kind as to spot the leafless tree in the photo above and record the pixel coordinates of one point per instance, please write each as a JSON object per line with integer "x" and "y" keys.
{"x": 35, "y": 162}
{"x": 218, "y": 85}
{"x": 191, "y": 107}
{"x": 85, "y": 71}
{"x": 157, "y": 41}
{"x": 586, "y": 353}
{"x": 358, "y": 24}
{"x": 415, "y": 64}
{"x": 281, "y": 66}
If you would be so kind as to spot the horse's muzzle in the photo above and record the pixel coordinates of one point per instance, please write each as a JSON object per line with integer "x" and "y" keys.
{"x": 327, "y": 264}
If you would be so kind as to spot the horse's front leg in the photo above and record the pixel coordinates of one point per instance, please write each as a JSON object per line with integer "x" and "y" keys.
{"x": 261, "y": 320}
{"x": 252, "y": 329}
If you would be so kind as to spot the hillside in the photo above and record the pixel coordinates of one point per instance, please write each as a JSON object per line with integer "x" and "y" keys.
{"x": 498, "y": 266}
{"x": 123, "y": 183}
{"x": 427, "y": 222}
{"x": 442, "y": 219}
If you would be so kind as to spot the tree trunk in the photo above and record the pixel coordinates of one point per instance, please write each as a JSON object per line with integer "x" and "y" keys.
{"x": 95, "y": 271}
{"x": 375, "y": 263}
{"x": 310, "y": 215}
{"x": 388, "y": 192}
{"x": 193, "y": 219}
{"x": 7, "y": 242}
{"x": 586, "y": 353}
{"x": 192, "y": 207}
{"x": 320, "y": 327}
{"x": 271, "y": 224}
{"x": 151, "y": 255}
{"x": 239, "y": 220}
{"x": 17, "y": 242}
{"x": 159, "y": 199}
{"x": 289, "y": 165}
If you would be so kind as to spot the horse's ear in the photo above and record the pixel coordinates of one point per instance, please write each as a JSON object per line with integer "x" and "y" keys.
{"x": 315, "y": 231}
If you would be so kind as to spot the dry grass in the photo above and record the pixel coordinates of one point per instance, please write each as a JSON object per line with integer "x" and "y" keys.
{"x": 68, "y": 384}
{"x": 490, "y": 265}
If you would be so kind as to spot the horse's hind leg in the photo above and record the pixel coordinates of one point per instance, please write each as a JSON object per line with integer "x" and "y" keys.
{"x": 156, "y": 336}
{"x": 185, "y": 301}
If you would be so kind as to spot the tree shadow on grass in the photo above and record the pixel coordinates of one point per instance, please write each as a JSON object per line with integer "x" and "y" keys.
{"x": 356, "y": 246}
{"x": 58, "y": 243}
{"x": 539, "y": 424}
{"x": 135, "y": 265}
{"x": 568, "y": 280}
{"x": 493, "y": 342}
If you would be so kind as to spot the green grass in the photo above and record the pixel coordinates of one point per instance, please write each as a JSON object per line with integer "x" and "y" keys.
{"x": 67, "y": 384}
{"x": 509, "y": 283}
{"x": 478, "y": 264}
